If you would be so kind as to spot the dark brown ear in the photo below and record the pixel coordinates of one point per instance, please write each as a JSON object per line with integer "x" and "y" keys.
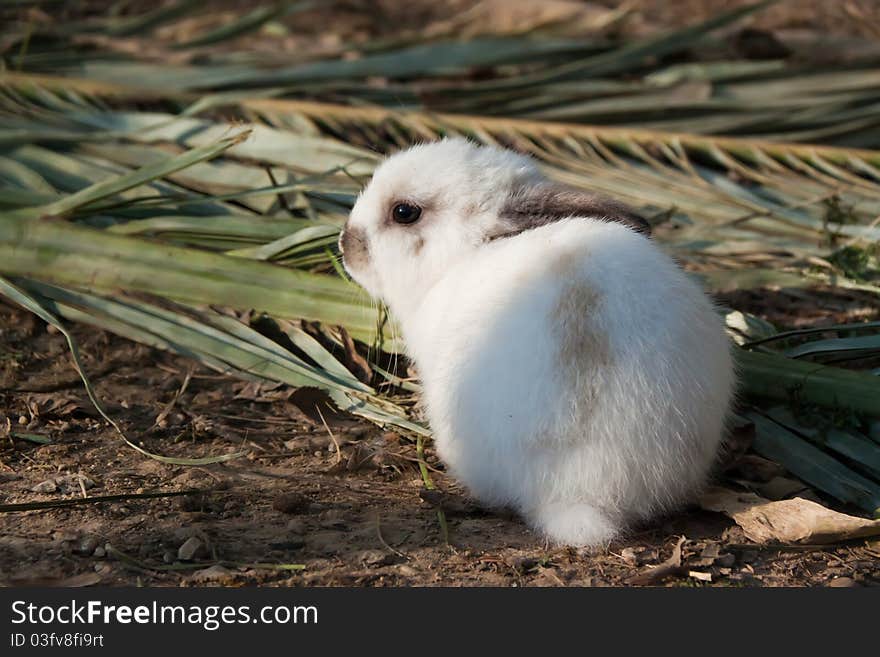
{"x": 531, "y": 206}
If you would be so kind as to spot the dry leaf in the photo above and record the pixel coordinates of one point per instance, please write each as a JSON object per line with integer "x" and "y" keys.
{"x": 317, "y": 406}
{"x": 215, "y": 573}
{"x": 787, "y": 521}
{"x": 354, "y": 362}
{"x": 672, "y": 566}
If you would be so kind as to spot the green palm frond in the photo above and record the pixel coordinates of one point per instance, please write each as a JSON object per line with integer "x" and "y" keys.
{"x": 779, "y": 212}
{"x": 148, "y": 223}
{"x": 594, "y": 80}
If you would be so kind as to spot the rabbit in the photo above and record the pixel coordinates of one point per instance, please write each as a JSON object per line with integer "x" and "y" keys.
{"x": 571, "y": 370}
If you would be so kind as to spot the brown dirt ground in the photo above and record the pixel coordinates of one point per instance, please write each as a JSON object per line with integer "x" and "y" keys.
{"x": 353, "y": 517}
{"x": 347, "y": 508}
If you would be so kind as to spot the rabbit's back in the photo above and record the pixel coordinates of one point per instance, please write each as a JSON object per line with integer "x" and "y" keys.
{"x": 574, "y": 361}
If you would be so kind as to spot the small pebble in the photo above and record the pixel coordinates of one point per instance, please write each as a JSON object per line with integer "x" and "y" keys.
{"x": 191, "y": 548}
{"x": 86, "y": 547}
{"x": 99, "y": 552}
{"x": 169, "y": 556}
{"x": 48, "y": 486}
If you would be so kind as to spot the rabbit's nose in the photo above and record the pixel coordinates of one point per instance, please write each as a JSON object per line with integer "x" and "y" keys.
{"x": 353, "y": 247}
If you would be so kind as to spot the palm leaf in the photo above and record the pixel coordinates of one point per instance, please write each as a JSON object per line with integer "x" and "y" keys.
{"x": 552, "y": 77}
{"x": 168, "y": 205}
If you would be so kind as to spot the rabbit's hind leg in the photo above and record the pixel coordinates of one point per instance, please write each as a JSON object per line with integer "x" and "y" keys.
{"x": 575, "y": 524}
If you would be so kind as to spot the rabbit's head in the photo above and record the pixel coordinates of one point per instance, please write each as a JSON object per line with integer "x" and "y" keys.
{"x": 436, "y": 203}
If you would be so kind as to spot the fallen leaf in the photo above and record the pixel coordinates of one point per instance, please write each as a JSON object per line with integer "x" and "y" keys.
{"x": 354, "y": 362}
{"x": 316, "y": 405}
{"x": 215, "y": 573}
{"x": 672, "y": 566}
{"x": 787, "y": 521}
{"x": 842, "y": 583}
{"x": 703, "y": 577}
{"x": 628, "y": 554}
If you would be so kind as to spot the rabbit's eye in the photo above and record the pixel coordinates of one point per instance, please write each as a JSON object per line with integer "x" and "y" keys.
{"x": 406, "y": 213}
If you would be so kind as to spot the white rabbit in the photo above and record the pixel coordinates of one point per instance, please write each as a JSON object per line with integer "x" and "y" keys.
{"x": 571, "y": 370}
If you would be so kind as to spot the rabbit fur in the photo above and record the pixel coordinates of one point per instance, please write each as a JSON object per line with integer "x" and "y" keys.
{"x": 571, "y": 370}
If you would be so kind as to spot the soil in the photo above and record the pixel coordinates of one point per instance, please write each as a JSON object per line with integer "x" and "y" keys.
{"x": 302, "y": 507}
{"x": 342, "y": 504}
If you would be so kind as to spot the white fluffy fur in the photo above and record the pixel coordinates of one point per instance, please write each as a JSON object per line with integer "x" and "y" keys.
{"x": 572, "y": 371}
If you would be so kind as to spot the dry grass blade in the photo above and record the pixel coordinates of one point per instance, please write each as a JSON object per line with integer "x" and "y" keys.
{"x": 99, "y": 499}
{"x": 669, "y": 568}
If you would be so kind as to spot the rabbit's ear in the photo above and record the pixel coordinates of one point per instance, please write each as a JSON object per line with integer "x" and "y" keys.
{"x": 531, "y": 206}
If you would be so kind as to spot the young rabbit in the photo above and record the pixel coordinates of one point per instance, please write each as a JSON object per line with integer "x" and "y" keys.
{"x": 571, "y": 370}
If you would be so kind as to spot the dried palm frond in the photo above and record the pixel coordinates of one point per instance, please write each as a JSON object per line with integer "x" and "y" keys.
{"x": 149, "y": 223}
